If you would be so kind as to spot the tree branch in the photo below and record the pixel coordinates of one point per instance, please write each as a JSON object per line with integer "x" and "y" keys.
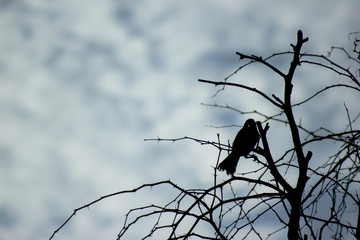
{"x": 261, "y": 60}
{"x": 245, "y": 87}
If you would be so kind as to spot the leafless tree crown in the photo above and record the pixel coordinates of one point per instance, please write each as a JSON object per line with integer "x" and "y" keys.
{"x": 297, "y": 194}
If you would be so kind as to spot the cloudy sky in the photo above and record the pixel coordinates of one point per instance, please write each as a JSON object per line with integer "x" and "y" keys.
{"x": 83, "y": 83}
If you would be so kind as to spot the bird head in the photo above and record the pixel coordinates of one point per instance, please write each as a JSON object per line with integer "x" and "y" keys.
{"x": 250, "y": 123}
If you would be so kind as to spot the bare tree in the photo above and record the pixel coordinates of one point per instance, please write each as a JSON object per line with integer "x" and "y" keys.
{"x": 292, "y": 188}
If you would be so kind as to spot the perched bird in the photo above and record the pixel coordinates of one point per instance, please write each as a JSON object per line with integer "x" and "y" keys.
{"x": 243, "y": 144}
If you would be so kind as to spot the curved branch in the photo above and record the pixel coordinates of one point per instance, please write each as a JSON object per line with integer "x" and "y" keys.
{"x": 345, "y": 70}
{"x": 324, "y": 89}
{"x": 245, "y": 87}
{"x": 119, "y": 193}
{"x": 261, "y": 60}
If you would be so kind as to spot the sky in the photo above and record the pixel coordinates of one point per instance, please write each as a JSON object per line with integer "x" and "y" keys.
{"x": 83, "y": 83}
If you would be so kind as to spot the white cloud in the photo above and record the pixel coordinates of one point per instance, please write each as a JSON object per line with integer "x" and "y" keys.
{"x": 82, "y": 84}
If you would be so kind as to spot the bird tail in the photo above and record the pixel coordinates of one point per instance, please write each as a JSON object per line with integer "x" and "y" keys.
{"x": 229, "y": 164}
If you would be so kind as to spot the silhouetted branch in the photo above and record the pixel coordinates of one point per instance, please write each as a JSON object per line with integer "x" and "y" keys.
{"x": 267, "y": 154}
{"x": 202, "y": 142}
{"x": 243, "y": 86}
{"x": 260, "y": 60}
{"x": 254, "y": 61}
{"x": 323, "y": 90}
{"x": 342, "y": 71}
{"x": 111, "y": 195}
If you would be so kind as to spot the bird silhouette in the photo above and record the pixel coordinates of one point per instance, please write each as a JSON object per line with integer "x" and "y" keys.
{"x": 243, "y": 144}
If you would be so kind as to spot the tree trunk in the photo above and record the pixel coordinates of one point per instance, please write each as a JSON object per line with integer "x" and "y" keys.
{"x": 293, "y": 230}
